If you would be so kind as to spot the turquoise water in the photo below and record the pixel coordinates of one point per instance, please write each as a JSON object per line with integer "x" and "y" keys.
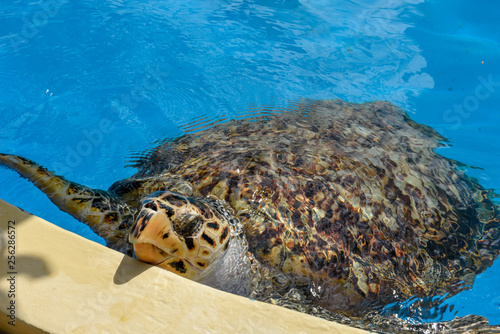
{"x": 85, "y": 85}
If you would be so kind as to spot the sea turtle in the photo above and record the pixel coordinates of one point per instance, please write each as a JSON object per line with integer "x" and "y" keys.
{"x": 346, "y": 203}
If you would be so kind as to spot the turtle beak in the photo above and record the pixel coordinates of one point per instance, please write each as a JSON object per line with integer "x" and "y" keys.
{"x": 153, "y": 238}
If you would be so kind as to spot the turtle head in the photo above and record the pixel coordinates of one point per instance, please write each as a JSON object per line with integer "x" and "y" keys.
{"x": 179, "y": 233}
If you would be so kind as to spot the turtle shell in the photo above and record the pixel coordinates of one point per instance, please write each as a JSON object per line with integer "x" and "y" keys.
{"x": 349, "y": 199}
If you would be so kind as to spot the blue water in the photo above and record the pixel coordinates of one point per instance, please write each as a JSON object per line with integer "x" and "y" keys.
{"x": 85, "y": 84}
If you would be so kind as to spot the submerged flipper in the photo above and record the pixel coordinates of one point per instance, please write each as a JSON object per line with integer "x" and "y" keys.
{"x": 107, "y": 215}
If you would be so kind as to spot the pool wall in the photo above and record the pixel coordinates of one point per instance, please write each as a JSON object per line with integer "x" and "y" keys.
{"x": 63, "y": 283}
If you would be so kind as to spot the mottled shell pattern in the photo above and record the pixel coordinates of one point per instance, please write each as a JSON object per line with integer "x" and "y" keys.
{"x": 348, "y": 199}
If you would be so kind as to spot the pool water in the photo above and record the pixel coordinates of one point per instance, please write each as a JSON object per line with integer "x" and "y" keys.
{"x": 85, "y": 85}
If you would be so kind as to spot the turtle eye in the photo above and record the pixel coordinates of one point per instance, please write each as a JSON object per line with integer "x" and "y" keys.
{"x": 151, "y": 205}
{"x": 187, "y": 224}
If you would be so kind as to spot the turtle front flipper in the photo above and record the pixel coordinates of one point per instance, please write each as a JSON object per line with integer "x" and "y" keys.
{"x": 107, "y": 215}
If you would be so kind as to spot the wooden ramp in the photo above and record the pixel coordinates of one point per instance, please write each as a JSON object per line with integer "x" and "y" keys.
{"x": 59, "y": 282}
